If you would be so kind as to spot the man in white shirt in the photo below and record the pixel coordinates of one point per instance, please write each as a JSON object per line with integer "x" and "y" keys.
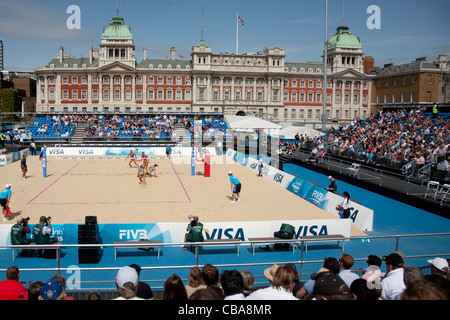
{"x": 392, "y": 285}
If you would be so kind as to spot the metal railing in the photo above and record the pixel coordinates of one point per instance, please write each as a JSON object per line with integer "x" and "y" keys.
{"x": 298, "y": 260}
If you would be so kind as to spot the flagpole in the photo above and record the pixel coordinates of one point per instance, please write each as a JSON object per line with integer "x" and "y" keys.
{"x": 237, "y": 33}
{"x": 325, "y": 67}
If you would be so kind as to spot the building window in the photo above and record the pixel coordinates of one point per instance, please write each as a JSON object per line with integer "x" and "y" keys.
{"x": 337, "y": 98}
{"x": 293, "y": 114}
{"x": 83, "y": 94}
{"x": 275, "y": 113}
{"x": 106, "y": 80}
{"x": 169, "y": 94}
{"x": 294, "y": 96}
{"x": 95, "y": 80}
{"x": 95, "y": 94}
{"x": 310, "y": 97}
{"x": 65, "y": 80}
{"x": 74, "y": 94}
{"x": 116, "y": 80}
{"x": 151, "y": 94}
{"x": 309, "y": 113}
{"x": 178, "y": 80}
{"x": 128, "y": 94}
{"x": 169, "y": 80}
{"x": 116, "y": 94}
{"x": 74, "y": 80}
{"x": 106, "y": 94}
{"x": 160, "y": 80}
{"x": 302, "y": 97}
{"x": 178, "y": 94}
{"x": 160, "y": 94}
{"x": 302, "y": 113}
{"x": 187, "y": 96}
{"x": 138, "y": 94}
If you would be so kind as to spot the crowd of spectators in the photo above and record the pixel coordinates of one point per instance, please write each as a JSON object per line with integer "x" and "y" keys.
{"x": 393, "y": 139}
{"x": 334, "y": 281}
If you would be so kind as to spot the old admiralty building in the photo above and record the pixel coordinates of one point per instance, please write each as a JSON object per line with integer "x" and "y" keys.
{"x": 110, "y": 79}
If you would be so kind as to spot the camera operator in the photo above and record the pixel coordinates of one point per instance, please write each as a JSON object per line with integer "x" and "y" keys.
{"x": 194, "y": 231}
{"x": 19, "y": 231}
{"x": 42, "y": 232}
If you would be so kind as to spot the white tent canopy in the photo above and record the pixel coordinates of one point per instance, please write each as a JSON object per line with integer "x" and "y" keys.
{"x": 246, "y": 123}
{"x": 291, "y": 131}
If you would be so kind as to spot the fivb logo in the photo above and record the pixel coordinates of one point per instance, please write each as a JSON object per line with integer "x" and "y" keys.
{"x": 130, "y": 234}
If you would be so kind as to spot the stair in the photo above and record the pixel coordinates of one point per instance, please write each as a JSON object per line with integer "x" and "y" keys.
{"x": 78, "y": 134}
{"x": 182, "y": 136}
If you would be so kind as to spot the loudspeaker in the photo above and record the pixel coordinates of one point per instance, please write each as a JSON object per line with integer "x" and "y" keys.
{"x": 88, "y": 234}
{"x": 89, "y": 255}
{"x": 90, "y": 220}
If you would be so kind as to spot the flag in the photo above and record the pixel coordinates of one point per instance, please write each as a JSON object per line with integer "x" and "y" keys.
{"x": 240, "y": 19}
{"x": 181, "y": 56}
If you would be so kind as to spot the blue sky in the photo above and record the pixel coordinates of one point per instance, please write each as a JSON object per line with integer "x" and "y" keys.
{"x": 33, "y": 30}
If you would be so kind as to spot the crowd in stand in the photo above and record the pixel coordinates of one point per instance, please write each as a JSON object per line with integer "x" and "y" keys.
{"x": 393, "y": 138}
{"x": 390, "y": 139}
{"x": 334, "y": 281}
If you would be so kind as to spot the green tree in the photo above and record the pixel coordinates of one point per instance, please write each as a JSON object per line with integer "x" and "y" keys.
{"x": 10, "y": 101}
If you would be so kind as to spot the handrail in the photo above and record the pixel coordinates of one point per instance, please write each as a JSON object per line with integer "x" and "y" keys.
{"x": 300, "y": 260}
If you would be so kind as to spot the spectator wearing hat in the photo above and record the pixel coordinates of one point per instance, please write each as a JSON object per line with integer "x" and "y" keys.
{"x": 144, "y": 290}
{"x": 11, "y": 288}
{"x": 392, "y": 285}
{"x": 329, "y": 286}
{"x": 439, "y": 266}
{"x": 5, "y": 198}
{"x": 52, "y": 290}
{"x": 283, "y": 281}
{"x": 127, "y": 282}
{"x": 235, "y": 187}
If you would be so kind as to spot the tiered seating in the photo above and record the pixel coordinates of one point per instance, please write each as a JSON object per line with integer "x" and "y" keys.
{"x": 52, "y": 128}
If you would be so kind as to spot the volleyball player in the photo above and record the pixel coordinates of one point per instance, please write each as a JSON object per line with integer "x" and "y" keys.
{"x": 142, "y": 174}
{"x": 132, "y": 158}
{"x": 144, "y": 159}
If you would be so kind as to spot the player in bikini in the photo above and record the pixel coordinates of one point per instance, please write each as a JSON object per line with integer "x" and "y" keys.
{"x": 152, "y": 170}
{"x": 142, "y": 174}
{"x": 144, "y": 159}
{"x": 132, "y": 158}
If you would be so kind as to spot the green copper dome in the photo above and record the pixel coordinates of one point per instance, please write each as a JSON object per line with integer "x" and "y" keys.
{"x": 117, "y": 29}
{"x": 344, "y": 38}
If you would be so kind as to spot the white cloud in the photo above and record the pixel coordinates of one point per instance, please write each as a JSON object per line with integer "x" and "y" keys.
{"x": 28, "y": 20}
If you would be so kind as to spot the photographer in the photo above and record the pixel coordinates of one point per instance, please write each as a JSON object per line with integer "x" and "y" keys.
{"x": 42, "y": 232}
{"x": 194, "y": 231}
{"x": 19, "y": 232}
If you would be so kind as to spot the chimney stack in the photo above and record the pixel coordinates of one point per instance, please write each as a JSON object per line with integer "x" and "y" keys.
{"x": 172, "y": 53}
{"x": 91, "y": 54}
{"x": 145, "y": 53}
{"x": 61, "y": 54}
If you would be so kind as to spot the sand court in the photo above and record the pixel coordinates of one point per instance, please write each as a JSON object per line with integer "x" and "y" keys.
{"x": 109, "y": 189}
